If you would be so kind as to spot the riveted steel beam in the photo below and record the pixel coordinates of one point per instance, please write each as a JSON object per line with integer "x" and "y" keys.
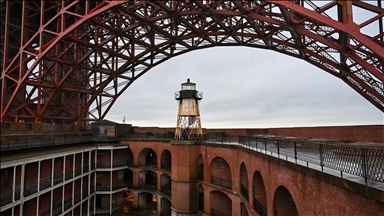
{"x": 68, "y": 62}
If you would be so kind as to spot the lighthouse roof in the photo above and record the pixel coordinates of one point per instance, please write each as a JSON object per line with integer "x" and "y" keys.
{"x": 188, "y": 82}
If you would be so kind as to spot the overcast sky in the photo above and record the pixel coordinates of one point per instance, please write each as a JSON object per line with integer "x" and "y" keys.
{"x": 244, "y": 88}
{"x": 249, "y": 88}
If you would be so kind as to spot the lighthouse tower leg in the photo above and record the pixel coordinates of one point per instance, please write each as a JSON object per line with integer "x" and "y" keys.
{"x": 188, "y": 127}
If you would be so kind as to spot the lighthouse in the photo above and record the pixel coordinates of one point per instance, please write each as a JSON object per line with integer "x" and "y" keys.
{"x": 188, "y": 124}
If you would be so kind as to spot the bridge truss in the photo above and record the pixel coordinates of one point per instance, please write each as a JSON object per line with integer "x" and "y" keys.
{"x": 68, "y": 61}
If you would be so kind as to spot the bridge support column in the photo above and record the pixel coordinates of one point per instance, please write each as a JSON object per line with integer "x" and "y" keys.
{"x": 184, "y": 178}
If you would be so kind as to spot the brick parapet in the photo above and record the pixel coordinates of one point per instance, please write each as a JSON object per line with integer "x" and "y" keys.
{"x": 360, "y": 133}
{"x": 357, "y": 133}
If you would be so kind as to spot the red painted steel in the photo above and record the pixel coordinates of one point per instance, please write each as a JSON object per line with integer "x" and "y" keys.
{"x": 68, "y": 61}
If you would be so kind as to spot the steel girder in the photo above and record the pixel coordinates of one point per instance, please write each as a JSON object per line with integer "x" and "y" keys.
{"x": 68, "y": 61}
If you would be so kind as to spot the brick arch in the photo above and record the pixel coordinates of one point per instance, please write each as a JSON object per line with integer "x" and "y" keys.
{"x": 243, "y": 178}
{"x": 144, "y": 199}
{"x": 283, "y": 203}
{"x": 128, "y": 177}
{"x": 165, "y": 206}
{"x": 200, "y": 189}
{"x": 259, "y": 194}
{"x": 147, "y": 157}
{"x": 166, "y": 160}
{"x": 148, "y": 179}
{"x": 165, "y": 184}
{"x": 130, "y": 157}
{"x": 243, "y": 209}
{"x": 220, "y": 203}
{"x": 220, "y": 172}
{"x": 200, "y": 167}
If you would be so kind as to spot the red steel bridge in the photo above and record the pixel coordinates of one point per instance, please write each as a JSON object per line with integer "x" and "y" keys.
{"x": 68, "y": 61}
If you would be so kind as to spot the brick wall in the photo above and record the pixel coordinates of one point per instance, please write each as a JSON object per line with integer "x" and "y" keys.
{"x": 358, "y": 133}
{"x": 365, "y": 133}
{"x": 313, "y": 192}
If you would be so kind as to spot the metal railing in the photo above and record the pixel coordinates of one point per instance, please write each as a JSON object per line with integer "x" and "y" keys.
{"x": 151, "y": 186}
{"x": 259, "y": 208}
{"x": 166, "y": 191}
{"x": 27, "y": 141}
{"x": 244, "y": 192}
{"x": 166, "y": 167}
{"x": 215, "y": 212}
{"x": 201, "y": 176}
{"x": 221, "y": 182}
{"x": 365, "y": 162}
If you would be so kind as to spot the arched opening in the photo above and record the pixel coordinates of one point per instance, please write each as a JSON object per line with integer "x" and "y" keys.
{"x": 147, "y": 157}
{"x": 166, "y": 160}
{"x": 150, "y": 159}
{"x": 165, "y": 207}
{"x": 151, "y": 201}
{"x": 151, "y": 180}
{"x": 221, "y": 204}
{"x": 259, "y": 195}
{"x": 201, "y": 198}
{"x": 129, "y": 156}
{"x": 220, "y": 173}
{"x": 200, "y": 168}
{"x": 128, "y": 177}
{"x": 283, "y": 203}
{"x": 243, "y": 209}
{"x": 244, "y": 181}
{"x": 165, "y": 182}
{"x": 148, "y": 179}
{"x": 147, "y": 202}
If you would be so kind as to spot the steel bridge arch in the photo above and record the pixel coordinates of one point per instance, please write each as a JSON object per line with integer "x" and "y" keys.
{"x": 74, "y": 59}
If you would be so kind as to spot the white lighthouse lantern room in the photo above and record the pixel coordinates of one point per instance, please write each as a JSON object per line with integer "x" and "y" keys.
{"x": 188, "y": 117}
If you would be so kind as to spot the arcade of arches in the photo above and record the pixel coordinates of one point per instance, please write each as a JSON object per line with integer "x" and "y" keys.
{"x": 198, "y": 178}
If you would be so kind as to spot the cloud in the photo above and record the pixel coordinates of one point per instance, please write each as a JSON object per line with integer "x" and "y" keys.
{"x": 244, "y": 87}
